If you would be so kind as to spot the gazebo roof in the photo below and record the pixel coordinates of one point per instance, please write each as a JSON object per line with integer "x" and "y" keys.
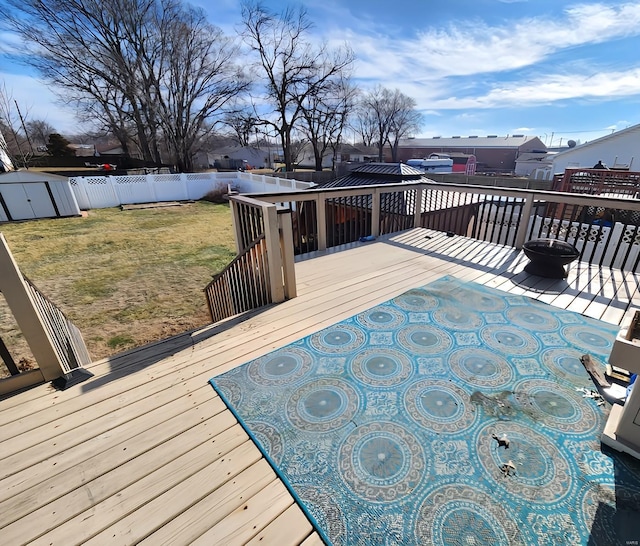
{"x": 377, "y": 173}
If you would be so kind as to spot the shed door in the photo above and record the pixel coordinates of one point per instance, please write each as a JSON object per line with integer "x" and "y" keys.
{"x": 40, "y": 200}
{"x": 26, "y": 201}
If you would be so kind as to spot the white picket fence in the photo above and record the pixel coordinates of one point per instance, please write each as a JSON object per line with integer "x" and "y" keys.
{"x": 98, "y": 192}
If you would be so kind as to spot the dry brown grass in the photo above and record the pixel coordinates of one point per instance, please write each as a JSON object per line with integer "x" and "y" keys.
{"x": 125, "y": 277}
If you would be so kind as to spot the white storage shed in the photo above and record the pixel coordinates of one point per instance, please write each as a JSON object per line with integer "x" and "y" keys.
{"x": 30, "y": 194}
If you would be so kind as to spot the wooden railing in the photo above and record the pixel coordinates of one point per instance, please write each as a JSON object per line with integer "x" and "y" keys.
{"x": 55, "y": 342}
{"x": 263, "y": 271}
{"x": 598, "y": 182}
{"x": 271, "y": 228}
{"x": 243, "y": 285}
{"x": 605, "y": 229}
{"x": 65, "y": 335}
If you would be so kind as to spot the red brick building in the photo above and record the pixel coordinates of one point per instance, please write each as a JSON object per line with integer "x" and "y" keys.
{"x": 493, "y": 153}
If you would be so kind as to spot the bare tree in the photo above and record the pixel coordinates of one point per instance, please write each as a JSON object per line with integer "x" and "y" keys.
{"x": 293, "y": 68}
{"x": 17, "y": 145}
{"x": 243, "y": 123}
{"x": 324, "y": 115}
{"x": 390, "y": 116}
{"x": 200, "y": 79}
{"x": 364, "y": 124}
{"x": 151, "y": 69}
{"x": 39, "y": 131}
{"x": 406, "y": 121}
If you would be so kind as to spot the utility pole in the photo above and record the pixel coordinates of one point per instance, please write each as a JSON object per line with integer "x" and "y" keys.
{"x": 24, "y": 128}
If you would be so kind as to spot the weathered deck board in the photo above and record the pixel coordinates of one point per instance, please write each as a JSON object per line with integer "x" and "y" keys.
{"x": 128, "y": 486}
{"x": 146, "y": 451}
{"x": 292, "y": 527}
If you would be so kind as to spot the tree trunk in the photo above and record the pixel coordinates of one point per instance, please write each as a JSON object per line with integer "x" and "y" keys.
{"x": 318, "y": 159}
{"x": 394, "y": 152}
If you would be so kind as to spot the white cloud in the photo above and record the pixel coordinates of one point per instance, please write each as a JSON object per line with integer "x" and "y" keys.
{"x": 549, "y": 89}
{"x": 474, "y": 47}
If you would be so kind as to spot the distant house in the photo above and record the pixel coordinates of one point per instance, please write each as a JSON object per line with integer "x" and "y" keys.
{"x": 493, "y": 153}
{"x": 306, "y": 159}
{"x": 358, "y": 153}
{"x": 534, "y": 164}
{"x": 619, "y": 150}
{"x": 116, "y": 149}
{"x": 255, "y": 158}
{"x": 83, "y": 150}
{"x": 346, "y": 153}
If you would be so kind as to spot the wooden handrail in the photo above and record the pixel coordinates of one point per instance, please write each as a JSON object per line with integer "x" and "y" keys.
{"x": 263, "y": 271}
{"x": 54, "y": 340}
{"x": 65, "y": 335}
{"x": 242, "y": 285}
{"x": 504, "y": 215}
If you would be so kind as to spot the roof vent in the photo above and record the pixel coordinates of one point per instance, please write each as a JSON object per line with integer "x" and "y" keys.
{"x": 473, "y": 136}
{"x": 492, "y": 136}
{"x": 436, "y": 137}
{"x": 458, "y": 136}
{"x": 517, "y": 136}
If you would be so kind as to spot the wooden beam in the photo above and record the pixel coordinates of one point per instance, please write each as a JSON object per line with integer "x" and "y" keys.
{"x": 288, "y": 253}
{"x": 19, "y": 299}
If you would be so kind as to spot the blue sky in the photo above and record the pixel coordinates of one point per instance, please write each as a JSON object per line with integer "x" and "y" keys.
{"x": 552, "y": 68}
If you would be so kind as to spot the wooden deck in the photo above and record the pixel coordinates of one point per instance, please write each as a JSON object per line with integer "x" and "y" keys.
{"x": 146, "y": 452}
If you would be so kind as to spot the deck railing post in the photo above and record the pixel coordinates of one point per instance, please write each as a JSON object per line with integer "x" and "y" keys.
{"x": 527, "y": 209}
{"x": 288, "y": 259}
{"x": 274, "y": 257}
{"x": 375, "y": 213}
{"x": 19, "y": 300}
{"x": 235, "y": 223}
{"x": 417, "y": 213}
{"x": 321, "y": 215}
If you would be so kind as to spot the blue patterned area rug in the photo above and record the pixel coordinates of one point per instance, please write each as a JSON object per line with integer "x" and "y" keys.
{"x": 392, "y": 426}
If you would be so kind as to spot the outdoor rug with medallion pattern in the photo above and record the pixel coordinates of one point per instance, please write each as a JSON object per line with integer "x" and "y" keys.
{"x": 390, "y": 426}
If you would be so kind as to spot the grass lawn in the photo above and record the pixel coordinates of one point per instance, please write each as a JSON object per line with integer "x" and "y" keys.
{"x": 125, "y": 278}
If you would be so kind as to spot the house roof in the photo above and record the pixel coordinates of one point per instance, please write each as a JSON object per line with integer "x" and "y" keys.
{"x": 492, "y": 141}
{"x": 232, "y": 149}
{"x": 377, "y": 173}
{"x": 533, "y": 156}
{"x": 360, "y": 150}
{"x": 595, "y": 142}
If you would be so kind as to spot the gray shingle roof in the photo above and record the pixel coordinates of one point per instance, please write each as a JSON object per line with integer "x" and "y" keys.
{"x": 369, "y": 174}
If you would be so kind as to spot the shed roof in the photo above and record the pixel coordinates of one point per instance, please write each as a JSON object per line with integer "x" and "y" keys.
{"x": 23, "y": 175}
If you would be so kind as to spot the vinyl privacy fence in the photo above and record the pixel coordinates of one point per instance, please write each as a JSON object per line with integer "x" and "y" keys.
{"x": 98, "y": 192}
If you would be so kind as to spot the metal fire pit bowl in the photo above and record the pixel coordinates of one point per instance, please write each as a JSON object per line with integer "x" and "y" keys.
{"x": 548, "y": 257}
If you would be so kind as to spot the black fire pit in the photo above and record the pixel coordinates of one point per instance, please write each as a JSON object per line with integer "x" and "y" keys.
{"x": 548, "y": 257}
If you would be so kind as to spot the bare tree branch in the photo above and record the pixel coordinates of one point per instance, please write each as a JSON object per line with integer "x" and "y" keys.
{"x": 388, "y": 116}
{"x": 293, "y": 69}
{"x": 151, "y": 70}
